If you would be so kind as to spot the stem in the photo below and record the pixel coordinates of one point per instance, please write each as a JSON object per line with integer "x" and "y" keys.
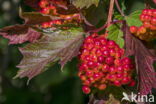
{"x": 104, "y": 26}
{"x": 110, "y": 15}
{"x": 119, "y": 9}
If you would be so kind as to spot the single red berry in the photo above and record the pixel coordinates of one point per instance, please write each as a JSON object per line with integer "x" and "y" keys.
{"x": 91, "y": 80}
{"x": 104, "y": 48}
{"x": 83, "y": 66}
{"x": 89, "y": 39}
{"x": 103, "y": 41}
{"x": 133, "y": 29}
{"x": 101, "y": 59}
{"x": 96, "y": 76}
{"x": 109, "y": 60}
{"x": 89, "y": 73}
{"x": 83, "y": 78}
{"x": 91, "y": 64}
{"x": 119, "y": 69}
{"x": 89, "y": 46}
{"x": 105, "y": 68}
{"x": 142, "y": 29}
{"x": 142, "y": 17}
{"x": 112, "y": 70}
{"x": 86, "y": 89}
{"x": 145, "y": 11}
{"x": 153, "y": 27}
{"x": 146, "y": 24}
{"x": 112, "y": 52}
{"x": 147, "y": 18}
{"x": 45, "y": 10}
{"x": 132, "y": 83}
{"x": 125, "y": 80}
{"x": 98, "y": 52}
{"x": 102, "y": 86}
{"x": 87, "y": 58}
{"x": 153, "y": 21}
{"x": 117, "y": 83}
{"x": 105, "y": 53}
{"x": 126, "y": 67}
{"x": 45, "y": 25}
{"x": 43, "y": 4}
{"x": 87, "y": 83}
{"x": 85, "y": 52}
{"x": 97, "y": 43}
{"x": 94, "y": 35}
{"x": 126, "y": 60}
{"x": 149, "y": 12}
{"x": 111, "y": 44}
{"x": 112, "y": 77}
{"x": 118, "y": 62}
{"x": 119, "y": 76}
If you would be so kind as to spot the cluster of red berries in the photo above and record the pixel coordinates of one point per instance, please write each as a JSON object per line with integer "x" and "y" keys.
{"x": 51, "y": 24}
{"x": 47, "y": 6}
{"x": 101, "y": 64}
{"x": 148, "y": 30}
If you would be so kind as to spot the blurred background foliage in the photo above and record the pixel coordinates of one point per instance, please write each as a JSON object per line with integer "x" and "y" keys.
{"x": 52, "y": 86}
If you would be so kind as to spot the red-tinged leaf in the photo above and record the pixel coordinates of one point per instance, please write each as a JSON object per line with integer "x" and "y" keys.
{"x": 59, "y": 45}
{"x": 144, "y": 62}
{"x": 31, "y": 35}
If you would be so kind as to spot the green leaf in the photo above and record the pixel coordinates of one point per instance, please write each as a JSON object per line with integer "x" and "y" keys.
{"x": 84, "y": 3}
{"x": 116, "y": 34}
{"x": 59, "y": 46}
{"x": 134, "y": 19}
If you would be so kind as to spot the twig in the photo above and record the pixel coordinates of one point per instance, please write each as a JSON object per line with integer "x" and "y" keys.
{"x": 110, "y": 15}
{"x": 118, "y": 7}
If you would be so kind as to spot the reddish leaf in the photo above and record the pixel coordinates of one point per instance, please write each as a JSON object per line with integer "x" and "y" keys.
{"x": 144, "y": 61}
{"x": 31, "y": 35}
{"x": 59, "y": 45}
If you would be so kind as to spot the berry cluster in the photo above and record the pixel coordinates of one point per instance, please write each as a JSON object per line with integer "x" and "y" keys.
{"x": 101, "y": 64}
{"x": 51, "y": 24}
{"x": 148, "y": 30}
{"x": 48, "y": 6}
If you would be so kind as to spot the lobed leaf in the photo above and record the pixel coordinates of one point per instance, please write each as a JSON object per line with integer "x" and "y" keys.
{"x": 84, "y": 3}
{"x": 144, "y": 62}
{"x": 116, "y": 34}
{"x": 59, "y": 46}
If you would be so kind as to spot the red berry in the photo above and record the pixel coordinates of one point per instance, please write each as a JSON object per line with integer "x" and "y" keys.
{"x": 43, "y": 4}
{"x": 104, "y": 48}
{"x": 103, "y": 41}
{"x": 87, "y": 83}
{"x": 101, "y": 59}
{"x": 153, "y": 21}
{"x": 105, "y": 68}
{"x": 98, "y": 52}
{"x": 45, "y": 25}
{"x": 133, "y": 29}
{"x": 89, "y": 73}
{"x": 145, "y": 11}
{"x": 112, "y": 52}
{"x": 117, "y": 83}
{"x": 142, "y": 29}
{"x": 89, "y": 39}
{"x": 112, "y": 77}
{"x": 132, "y": 83}
{"x": 91, "y": 64}
{"x": 119, "y": 76}
{"x": 119, "y": 69}
{"x": 126, "y": 67}
{"x": 105, "y": 53}
{"x": 45, "y": 10}
{"x": 112, "y": 70}
{"x": 147, "y": 18}
{"x": 126, "y": 60}
{"x": 109, "y": 60}
{"x": 146, "y": 24}
{"x": 125, "y": 80}
{"x": 142, "y": 17}
{"x": 86, "y": 89}
{"x": 96, "y": 76}
{"x": 111, "y": 44}
{"x": 97, "y": 43}
{"x": 149, "y": 12}
{"x": 118, "y": 62}
{"x": 102, "y": 87}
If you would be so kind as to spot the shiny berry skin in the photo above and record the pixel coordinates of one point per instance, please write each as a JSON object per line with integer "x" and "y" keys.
{"x": 145, "y": 11}
{"x": 125, "y": 80}
{"x": 98, "y": 52}
{"x": 146, "y": 24}
{"x": 104, "y": 48}
{"x": 105, "y": 68}
{"x": 103, "y": 41}
{"x": 147, "y": 18}
{"x": 133, "y": 29}
{"x": 101, "y": 59}
{"x": 91, "y": 64}
{"x": 120, "y": 69}
{"x": 96, "y": 76}
{"x": 112, "y": 70}
{"x": 105, "y": 53}
{"x": 126, "y": 60}
{"x": 142, "y": 29}
{"x": 149, "y": 12}
{"x": 153, "y": 21}
{"x": 142, "y": 17}
{"x": 109, "y": 60}
{"x": 86, "y": 89}
{"x": 119, "y": 76}
{"x": 89, "y": 39}
{"x": 45, "y": 25}
{"x": 112, "y": 52}
{"x": 117, "y": 83}
{"x": 45, "y": 10}
{"x": 132, "y": 83}
{"x": 89, "y": 73}
{"x": 126, "y": 67}
{"x": 111, "y": 44}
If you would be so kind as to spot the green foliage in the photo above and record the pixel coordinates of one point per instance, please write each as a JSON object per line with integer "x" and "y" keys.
{"x": 134, "y": 19}
{"x": 84, "y": 3}
{"x": 116, "y": 34}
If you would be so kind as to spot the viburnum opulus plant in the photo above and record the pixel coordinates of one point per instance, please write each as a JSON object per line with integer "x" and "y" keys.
{"x": 113, "y": 58}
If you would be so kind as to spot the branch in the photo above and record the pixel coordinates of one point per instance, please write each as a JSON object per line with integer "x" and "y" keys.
{"x": 110, "y": 15}
{"x": 119, "y": 9}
